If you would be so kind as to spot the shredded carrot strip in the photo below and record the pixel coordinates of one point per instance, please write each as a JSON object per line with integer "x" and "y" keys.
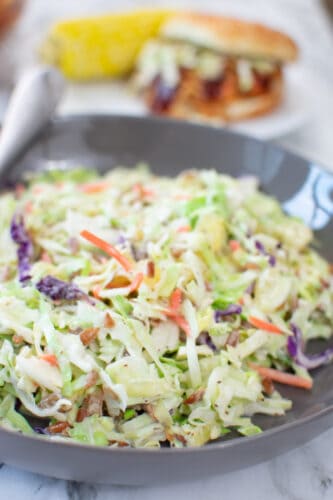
{"x": 96, "y": 291}
{"x": 234, "y": 245}
{"x": 179, "y": 320}
{"x": 282, "y": 377}
{"x": 264, "y": 325}
{"x": 107, "y": 248}
{"x": 142, "y": 191}
{"x": 183, "y": 229}
{"x": 136, "y": 282}
{"x": 175, "y": 300}
{"x": 183, "y": 324}
{"x": 241, "y": 301}
{"x": 50, "y": 358}
{"x": 94, "y": 187}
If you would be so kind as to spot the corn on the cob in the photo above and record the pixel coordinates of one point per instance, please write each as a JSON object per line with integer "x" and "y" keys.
{"x": 101, "y": 46}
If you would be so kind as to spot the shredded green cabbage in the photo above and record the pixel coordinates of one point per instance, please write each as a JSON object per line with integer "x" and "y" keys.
{"x": 163, "y": 348}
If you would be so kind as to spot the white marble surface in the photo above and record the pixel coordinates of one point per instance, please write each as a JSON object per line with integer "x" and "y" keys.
{"x": 307, "y": 472}
{"x": 303, "y": 474}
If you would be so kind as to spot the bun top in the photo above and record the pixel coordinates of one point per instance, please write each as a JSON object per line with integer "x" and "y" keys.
{"x": 230, "y": 36}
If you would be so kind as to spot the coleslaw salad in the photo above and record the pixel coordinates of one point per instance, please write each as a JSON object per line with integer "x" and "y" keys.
{"x": 137, "y": 310}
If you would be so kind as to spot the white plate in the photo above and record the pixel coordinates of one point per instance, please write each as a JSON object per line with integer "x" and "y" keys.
{"x": 115, "y": 97}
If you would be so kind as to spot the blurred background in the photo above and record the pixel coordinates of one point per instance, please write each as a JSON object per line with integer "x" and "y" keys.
{"x": 24, "y": 24}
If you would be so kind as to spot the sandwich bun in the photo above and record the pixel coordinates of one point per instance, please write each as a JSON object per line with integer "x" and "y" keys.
{"x": 231, "y": 36}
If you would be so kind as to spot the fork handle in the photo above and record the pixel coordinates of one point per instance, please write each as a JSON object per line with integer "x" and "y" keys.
{"x": 31, "y": 106}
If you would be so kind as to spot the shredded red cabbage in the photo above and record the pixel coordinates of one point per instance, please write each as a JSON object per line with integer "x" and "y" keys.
{"x": 122, "y": 239}
{"x": 25, "y": 249}
{"x": 205, "y": 338}
{"x": 295, "y": 347}
{"x": 164, "y": 95}
{"x": 250, "y": 288}
{"x": 261, "y": 249}
{"x": 232, "y": 309}
{"x": 60, "y": 290}
{"x": 40, "y": 430}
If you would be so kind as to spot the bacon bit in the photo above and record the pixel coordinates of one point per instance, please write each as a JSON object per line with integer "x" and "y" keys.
{"x": 58, "y": 427}
{"x": 107, "y": 248}
{"x": 234, "y": 245}
{"x": 282, "y": 377}
{"x": 91, "y": 379}
{"x": 175, "y": 301}
{"x": 264, "y": 325}
{"x": 251, "y": 265}
{"x": 88, "y": 335}
{"x": 150, "y": 269}
{"x": 92, "y": 405}
{"x": 45, "y": 257}
{"x": 183, "y": 229}
{"x": 48, "y": 401}
{"x": 241, "y": 301}
{"x": 120, "y": 444}
{"x": 81, "y": 414}
{"x": 49, "y": 358}
{"x": 194, "y": 397}
{"x": 95, "y": 187}
{"x": 173, "y": 436}
{"x": 150, "y": 410}
{"x": 108, "y": 321}
{"x": 324, "y": 283}
{"x": 268, "y": 386}
{"x": 233, "y": 338}
{"x": 142, "y": 192}
{"x": 180, "y": 438}
{"x": 17, "y": 339}
{"x": 176, "y": 253}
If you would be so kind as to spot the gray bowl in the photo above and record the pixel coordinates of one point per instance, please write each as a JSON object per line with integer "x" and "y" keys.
{"x": 303, "y": 188}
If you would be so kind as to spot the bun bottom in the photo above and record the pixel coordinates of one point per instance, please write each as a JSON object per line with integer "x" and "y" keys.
{"x": 230, "y": 110}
